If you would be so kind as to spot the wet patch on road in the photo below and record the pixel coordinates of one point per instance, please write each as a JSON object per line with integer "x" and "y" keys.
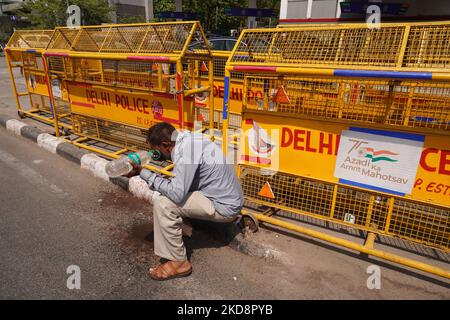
{"x": 121, "y": 199}
{"x": 142, "y": 232}
{"x": 133, "y": 231}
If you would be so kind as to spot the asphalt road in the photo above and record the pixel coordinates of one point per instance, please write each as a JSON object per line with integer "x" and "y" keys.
{"x": 53, "y": 215}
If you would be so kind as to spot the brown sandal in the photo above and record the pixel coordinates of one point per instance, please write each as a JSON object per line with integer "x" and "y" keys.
{"x": 168, "y": 271}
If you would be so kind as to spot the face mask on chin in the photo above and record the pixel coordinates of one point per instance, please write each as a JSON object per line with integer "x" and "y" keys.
{"x": 165, "y": 156}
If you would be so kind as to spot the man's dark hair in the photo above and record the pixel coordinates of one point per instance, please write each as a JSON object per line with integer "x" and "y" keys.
{"x": 159, "y": 133}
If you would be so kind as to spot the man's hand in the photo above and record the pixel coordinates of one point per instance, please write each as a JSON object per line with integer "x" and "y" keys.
{"x": 135, "y": 171}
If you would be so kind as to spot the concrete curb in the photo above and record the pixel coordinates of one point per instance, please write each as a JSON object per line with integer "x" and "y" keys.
{"x": 122, "y": 182}
{"x": 138, "y": 188}
{"x": 228, "y": 233}
{"x": 70, "y": 152}
{"x": 31, "y": 133}
{"x": 95, "y": 164}
{"x": 15, "y": 126}
{"x": 48, "y": 142}
{"x": 3, "y": 120}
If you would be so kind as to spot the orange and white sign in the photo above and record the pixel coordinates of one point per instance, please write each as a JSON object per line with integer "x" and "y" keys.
{"x": 266, "y": 191}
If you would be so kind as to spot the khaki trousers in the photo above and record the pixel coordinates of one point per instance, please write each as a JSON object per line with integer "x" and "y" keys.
{"x": 168, "y": 219}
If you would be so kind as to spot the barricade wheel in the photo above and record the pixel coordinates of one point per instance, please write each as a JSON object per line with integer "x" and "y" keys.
{"x": 21, "y": 115}
{"x": 249, "y": 221}
{"x": 65, "y": 132}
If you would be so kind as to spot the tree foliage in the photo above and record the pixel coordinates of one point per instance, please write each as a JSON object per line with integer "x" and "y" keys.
{"x": 47, "y": 14}
{"x": 213, "y": 17}
{"x": 131, "y": 19}
{"x": 212, "y": 13}
{"x": 51, "y": 13}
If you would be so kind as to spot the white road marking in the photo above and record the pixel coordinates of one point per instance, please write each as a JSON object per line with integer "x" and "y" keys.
{"x": 31, "y": 175}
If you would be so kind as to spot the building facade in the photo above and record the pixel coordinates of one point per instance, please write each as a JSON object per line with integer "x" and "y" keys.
{"x": 329, "y": 11}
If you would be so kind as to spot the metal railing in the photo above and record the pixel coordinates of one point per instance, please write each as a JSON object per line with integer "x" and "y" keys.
{"x": 24, "y": 51}
{"x": 121, "y": 79}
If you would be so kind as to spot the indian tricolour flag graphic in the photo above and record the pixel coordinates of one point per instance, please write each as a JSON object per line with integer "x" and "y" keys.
{"x": 378, "y": 155}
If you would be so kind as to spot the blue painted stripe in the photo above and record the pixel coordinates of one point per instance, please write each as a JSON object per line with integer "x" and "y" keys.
{"x": 241, "y": 56}
{"x": 266, "y": 86}
{"x": 383, "y": 74}
{"x": 31, "y": 51}
{"x": 366, "y": 186}
{"x": 51, "y": 109}
{"x": 424, "y": 119}
{"x": 430, "y": 120}
{"x": 394, "y": 134}
{"x": 226, "y": 93}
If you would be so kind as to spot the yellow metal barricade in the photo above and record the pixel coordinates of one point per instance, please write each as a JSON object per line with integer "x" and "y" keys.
{"x": 25, "y": 51}
{"x": 121, "y": 79}
{"x": 236, "y": 86}
{"x": 353, "y": 128}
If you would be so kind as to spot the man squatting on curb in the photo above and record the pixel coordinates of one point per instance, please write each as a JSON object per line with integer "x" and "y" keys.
{"x": 205, "y": 186}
